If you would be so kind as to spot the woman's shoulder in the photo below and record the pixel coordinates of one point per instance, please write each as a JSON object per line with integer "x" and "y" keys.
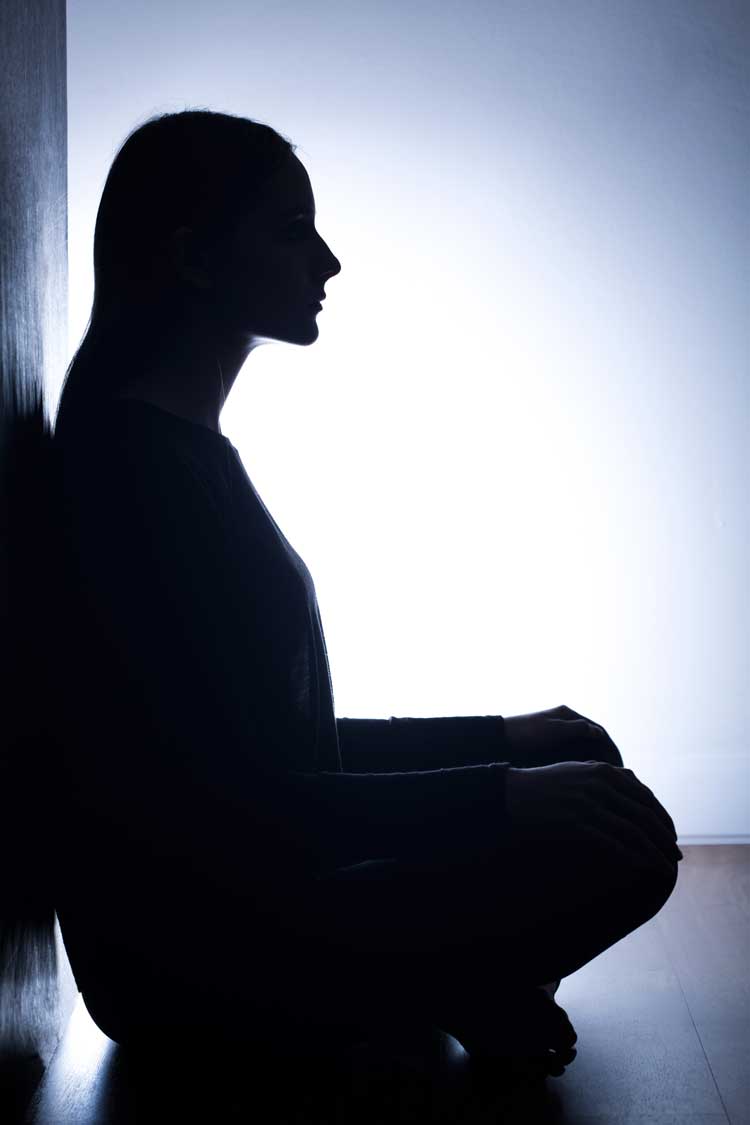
{"x": 128, "y": 461}
{"x": 125, "y": 433}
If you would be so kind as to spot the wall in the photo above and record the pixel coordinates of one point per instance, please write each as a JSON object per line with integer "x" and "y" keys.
{"x": 37, "y": 990}
{"x": 515, "y": 458}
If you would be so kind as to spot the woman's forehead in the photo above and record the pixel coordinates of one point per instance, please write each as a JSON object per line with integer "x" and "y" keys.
{"x": 286, "y": 192}
{"x": 289, "y": 188}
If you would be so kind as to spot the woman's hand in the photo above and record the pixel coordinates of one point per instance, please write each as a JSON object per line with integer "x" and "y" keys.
{"x": 595, "y": 800}
{"x": 543, "y": 735}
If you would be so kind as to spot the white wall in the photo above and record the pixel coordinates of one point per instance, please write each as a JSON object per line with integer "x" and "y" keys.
{"x": 515, "y": 459}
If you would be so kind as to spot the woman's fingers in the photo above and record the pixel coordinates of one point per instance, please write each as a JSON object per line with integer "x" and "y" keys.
{"x": 630, "y": 843}
{"x": 633, "y": 787}
{"x": 644, "y": 817}
{"x": 636, "y": 837}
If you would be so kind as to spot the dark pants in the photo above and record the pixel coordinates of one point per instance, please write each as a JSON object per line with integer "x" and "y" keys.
{"x": 387, "y": 944}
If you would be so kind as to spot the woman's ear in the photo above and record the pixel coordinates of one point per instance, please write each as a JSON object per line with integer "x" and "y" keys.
{"x": 181, "y": 256}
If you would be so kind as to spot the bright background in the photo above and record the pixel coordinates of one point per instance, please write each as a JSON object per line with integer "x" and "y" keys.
{"x": 515, "y": 460}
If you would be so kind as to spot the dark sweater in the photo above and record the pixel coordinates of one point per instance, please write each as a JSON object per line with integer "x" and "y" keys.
{"x": 196, "y": 697}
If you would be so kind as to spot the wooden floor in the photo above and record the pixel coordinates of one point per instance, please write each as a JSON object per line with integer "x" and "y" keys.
{"x": 663, "y": 1023}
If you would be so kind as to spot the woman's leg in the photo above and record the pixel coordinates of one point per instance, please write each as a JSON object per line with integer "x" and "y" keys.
{"x": 385, "y": 942}
{"x": 452, "y": 947}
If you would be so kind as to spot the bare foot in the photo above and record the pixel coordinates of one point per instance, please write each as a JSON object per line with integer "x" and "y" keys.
{"x": 532, "y": 1034}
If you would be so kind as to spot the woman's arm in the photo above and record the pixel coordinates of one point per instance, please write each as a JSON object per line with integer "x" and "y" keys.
{"x": 439, "y": 815}
{"x": 403, "y": 744}
{"x": 188, "y": 746}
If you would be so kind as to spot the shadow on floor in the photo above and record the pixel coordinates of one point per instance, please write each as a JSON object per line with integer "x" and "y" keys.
{"x": 429, "y": 1081}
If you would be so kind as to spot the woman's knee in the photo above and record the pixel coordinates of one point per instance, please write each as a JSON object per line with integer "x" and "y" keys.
{"x": 647, "y": 887}
{"x": 623, "y": 882}
{"x": 662, "y": 882}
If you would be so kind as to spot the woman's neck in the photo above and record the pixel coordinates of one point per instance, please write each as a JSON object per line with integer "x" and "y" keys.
{"x": 175, "y": 400}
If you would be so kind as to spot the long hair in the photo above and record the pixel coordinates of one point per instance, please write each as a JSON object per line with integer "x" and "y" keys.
{"x": 196, "y": 168}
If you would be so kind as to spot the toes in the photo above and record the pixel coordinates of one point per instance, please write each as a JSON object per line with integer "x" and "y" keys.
{"x": 555, "y": 1062}
{"x": 536, "y": 1032}
{"x": 565, "y": 1031}
{"x": 566, "y": 1057}
{"x": 543, "y": 1025}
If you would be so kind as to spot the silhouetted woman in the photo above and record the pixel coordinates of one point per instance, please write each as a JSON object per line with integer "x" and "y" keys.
{"x": 235, "y": 861}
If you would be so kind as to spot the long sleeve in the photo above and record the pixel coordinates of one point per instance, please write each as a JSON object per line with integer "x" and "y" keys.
{"x": 188, "y": 742}
{"x": 402, "y": 744}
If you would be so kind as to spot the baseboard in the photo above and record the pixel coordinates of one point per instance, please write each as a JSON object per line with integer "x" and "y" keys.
{"x": 712, "y": 840}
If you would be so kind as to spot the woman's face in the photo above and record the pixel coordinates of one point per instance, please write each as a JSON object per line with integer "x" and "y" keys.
{"x": 276, "y": 264}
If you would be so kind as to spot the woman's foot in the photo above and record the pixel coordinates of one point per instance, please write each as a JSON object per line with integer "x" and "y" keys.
{"x": 533, "y": 1035}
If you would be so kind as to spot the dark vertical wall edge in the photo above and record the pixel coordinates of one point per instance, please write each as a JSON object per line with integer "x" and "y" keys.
{"x": 37, "y": 990}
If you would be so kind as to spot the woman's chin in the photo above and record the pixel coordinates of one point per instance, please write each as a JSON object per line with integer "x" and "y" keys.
{"x": 301, "y": 330}
{"x": 302, "y": 333}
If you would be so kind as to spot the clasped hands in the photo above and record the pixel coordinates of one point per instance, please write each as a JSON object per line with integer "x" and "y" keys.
{"x": 538, "y": 737}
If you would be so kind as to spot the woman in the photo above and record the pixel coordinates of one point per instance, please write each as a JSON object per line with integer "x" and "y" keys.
{"x": 235, "y": 858}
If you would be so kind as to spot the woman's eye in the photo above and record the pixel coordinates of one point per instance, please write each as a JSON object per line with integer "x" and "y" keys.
{"x": 300, "y": 227}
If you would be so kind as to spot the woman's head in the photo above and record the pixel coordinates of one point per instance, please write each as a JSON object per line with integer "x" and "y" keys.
{"x": 262, "y": 279}
{"x": 190, "y": 230}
